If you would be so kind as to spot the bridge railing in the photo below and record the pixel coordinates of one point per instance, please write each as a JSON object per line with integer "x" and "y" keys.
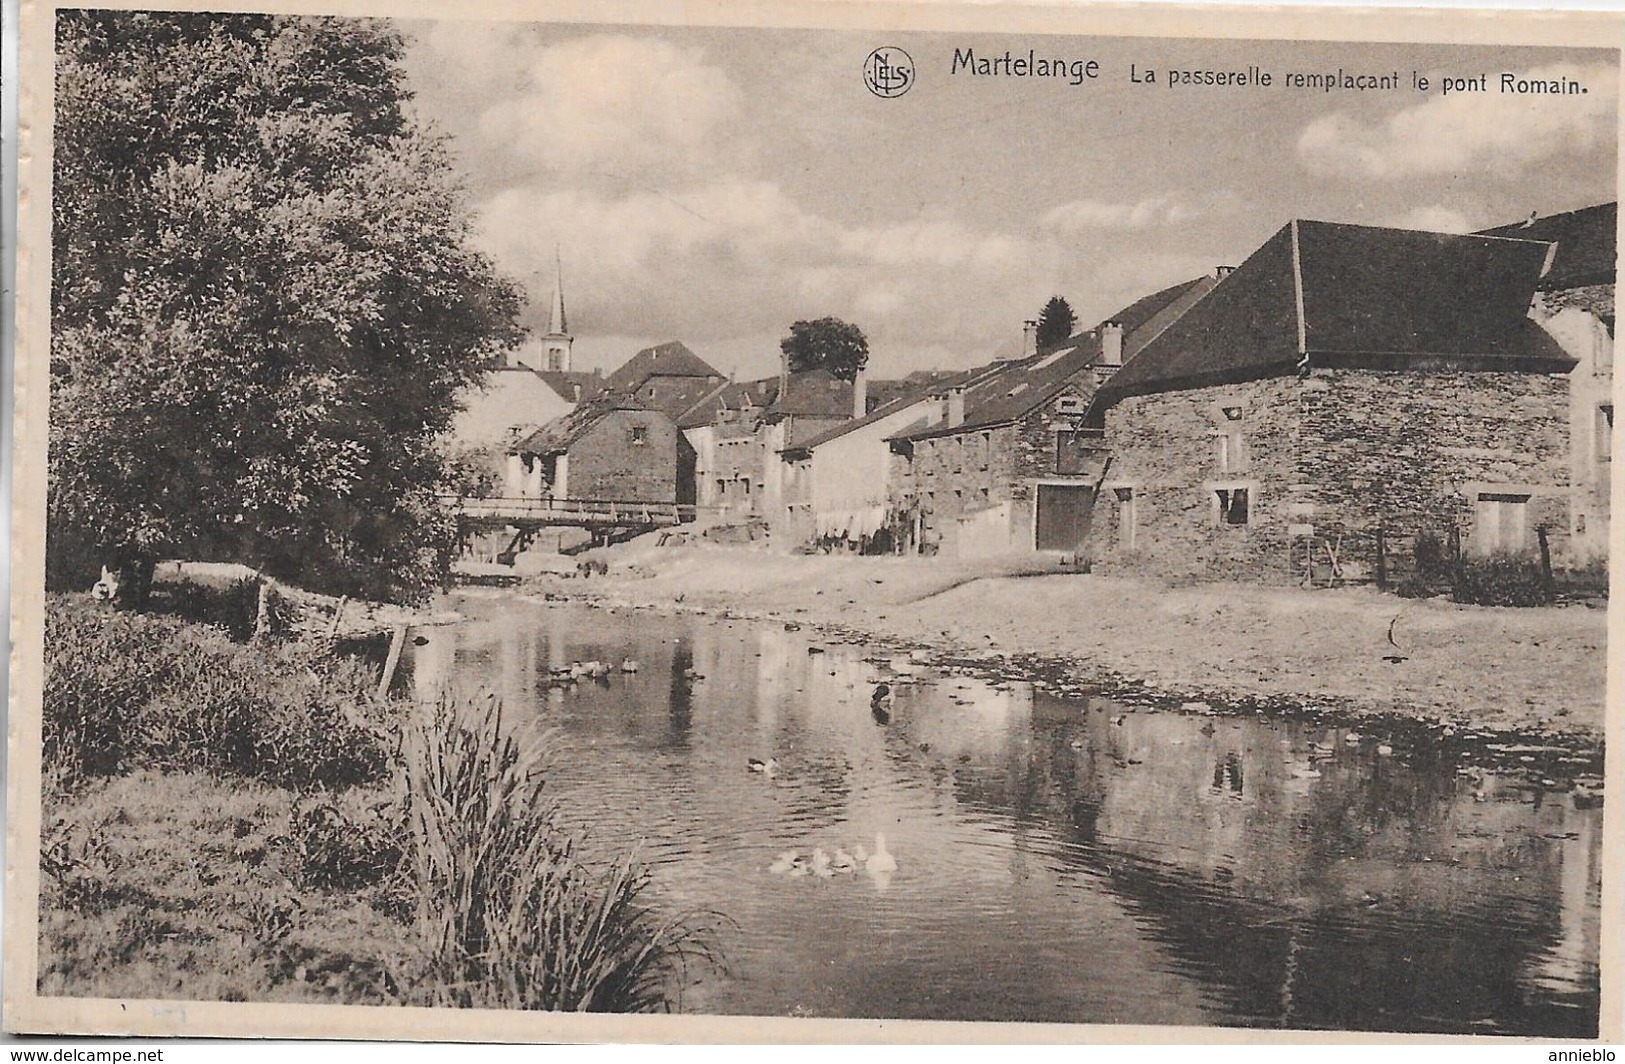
{"x": 604, "y": 511}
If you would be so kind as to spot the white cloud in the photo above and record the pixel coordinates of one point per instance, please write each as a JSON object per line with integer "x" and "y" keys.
{"x": 1433, "y": 218}
{"x": 1455, "y": 133}
{"x": 735, "y": 257}
{"x": 1086, "y": 214}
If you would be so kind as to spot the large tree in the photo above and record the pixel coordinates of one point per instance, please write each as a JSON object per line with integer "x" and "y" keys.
{"x": 1055, "y": 323}
{"x": 264, "y": 301}
{"x": 826, "y": 343}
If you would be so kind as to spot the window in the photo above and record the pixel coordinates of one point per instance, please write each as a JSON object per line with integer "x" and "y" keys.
{"x": 1500, "y": 522}
{"x": 1125, "y": 517}
{"x": 1070, "y": 405}
{"x": 1232, "y": 413}
{"x": 640, "y": 434}
{"x": 1604, "y": 431}
{"x": 1233, "y": 503}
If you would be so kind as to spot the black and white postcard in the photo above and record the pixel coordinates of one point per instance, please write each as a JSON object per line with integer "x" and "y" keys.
{"x": 745, "y": 521}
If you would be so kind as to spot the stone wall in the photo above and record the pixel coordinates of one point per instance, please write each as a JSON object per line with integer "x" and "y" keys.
{"x": 1327, "y": 462}
{"x": 608, "y": 463}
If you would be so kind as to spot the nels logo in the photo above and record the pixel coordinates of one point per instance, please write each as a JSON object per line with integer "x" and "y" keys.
{"x": 888, "y": 72}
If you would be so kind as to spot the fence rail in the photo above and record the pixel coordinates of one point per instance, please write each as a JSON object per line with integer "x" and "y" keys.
{"x": 579, "y": 512}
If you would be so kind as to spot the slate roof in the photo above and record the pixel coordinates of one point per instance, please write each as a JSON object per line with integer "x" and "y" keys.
{"x": 730, "y": 396}
{"x": 1585, "y": 245}
{"x": 1007, "y": 391}
{"x": 566, "y": 383}
{"x": 674, "y": 396}
{"x": 813, "y": 393}
{"x": 1353, "y": 295}
{"x": 670, "y": 359}
{"x": 557, "y": 435}
{"x": 924, "y": 389}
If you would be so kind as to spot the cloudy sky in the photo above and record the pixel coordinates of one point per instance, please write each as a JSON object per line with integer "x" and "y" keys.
{"x": 714, "y": 185}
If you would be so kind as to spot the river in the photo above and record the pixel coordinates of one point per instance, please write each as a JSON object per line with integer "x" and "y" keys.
{"x": 1060, "y": 860}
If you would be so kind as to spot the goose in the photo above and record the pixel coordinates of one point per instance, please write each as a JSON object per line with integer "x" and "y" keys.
{"x": 629, "y": 665}
{"x": 768, "y": 767}
{"x": 820, "y": 864}
{"x": 842, "y": 861}
{"x": 785, "y": 862}
{"x": 880, "y": 862}
{"x": 860, "y": 855}
{"x": 798, "y": 868}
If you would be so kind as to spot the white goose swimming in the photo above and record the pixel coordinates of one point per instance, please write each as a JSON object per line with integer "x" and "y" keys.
{"x": 880, "y": 862}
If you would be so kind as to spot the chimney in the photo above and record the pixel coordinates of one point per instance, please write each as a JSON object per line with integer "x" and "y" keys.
{"x": 860, "y": 393}
{"x": 1111, "y": 343}
{"x": 956, "y": 408}
{"x": 784, "y": 374}
{"x": 1221, "y": 272}
{"x": 577, "y": 389}
{"x": 933, "y": 412}
{"x": 1029, "y": 338}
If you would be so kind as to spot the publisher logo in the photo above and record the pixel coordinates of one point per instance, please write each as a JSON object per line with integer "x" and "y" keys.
{"x": 888, "y": 72}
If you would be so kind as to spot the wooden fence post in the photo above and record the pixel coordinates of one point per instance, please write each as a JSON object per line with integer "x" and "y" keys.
{"x": 1545, "y": 557}
{"x": 1382, "y": 561}
{"x": 397, "y": 640}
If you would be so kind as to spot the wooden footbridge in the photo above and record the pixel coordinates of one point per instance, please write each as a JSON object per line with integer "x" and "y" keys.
{"x": 569, "y": 513}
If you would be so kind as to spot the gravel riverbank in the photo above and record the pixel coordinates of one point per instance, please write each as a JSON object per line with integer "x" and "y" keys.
{"x": 1352, "y": 650}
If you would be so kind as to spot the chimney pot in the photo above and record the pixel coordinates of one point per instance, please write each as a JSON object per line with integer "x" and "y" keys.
{"x": 1029, "y": 338}
{"x": 1111, "y": 343}
{"x": 956, "y": 408}
{"x": 860, "y": 393}
{"x": 1221, "y": 272}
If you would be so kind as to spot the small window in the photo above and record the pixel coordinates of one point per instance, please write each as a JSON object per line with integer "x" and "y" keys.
{"x": 1233, "y": 503}
{"x": 1069, "y": 405}
{"x": 1232, "y": 413}
{"x": 1605, "y": 431}
{"x": 640, "y": 434}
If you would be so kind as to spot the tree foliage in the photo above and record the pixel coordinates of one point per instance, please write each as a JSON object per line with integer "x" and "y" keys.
{"x": 827, "y": 343}
{"x": 1055, "y": 323}
{"x": 264, "y": 298}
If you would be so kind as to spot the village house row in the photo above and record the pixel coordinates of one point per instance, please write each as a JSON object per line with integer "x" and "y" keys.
{"x": 1343, "y": 388}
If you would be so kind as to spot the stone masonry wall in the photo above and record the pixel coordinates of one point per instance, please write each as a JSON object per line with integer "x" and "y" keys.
{"x": 606, "y": 463}
{"x": 1328, "y": 461}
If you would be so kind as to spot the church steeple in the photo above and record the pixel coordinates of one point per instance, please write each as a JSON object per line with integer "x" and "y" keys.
{"x": 558, "y": 341}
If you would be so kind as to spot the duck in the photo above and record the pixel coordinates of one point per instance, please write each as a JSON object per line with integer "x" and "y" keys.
{"x": 629, "y": 665}
{"x": 1384, "y": 750}
{"x": 784, "y": 862}
{"x": 799, "y": 868}
{"x": 767, "y": 767}
{"x": 880, "y": 862}
{"x": 1119, "y": 719}
{"x": 842, "y": 861}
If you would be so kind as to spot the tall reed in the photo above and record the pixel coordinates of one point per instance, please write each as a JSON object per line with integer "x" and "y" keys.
{"x": 511, "y": 917}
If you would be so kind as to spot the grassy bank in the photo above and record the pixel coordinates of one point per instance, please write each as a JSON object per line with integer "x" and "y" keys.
{"x": 248, "y": 823}
{"x": 1363, "y": 651}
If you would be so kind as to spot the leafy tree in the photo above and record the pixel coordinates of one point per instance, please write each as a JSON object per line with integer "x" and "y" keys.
{"x": 827, "y": 343}
{"x": 264, "y": 300}
{"x": 1055, "y": 323}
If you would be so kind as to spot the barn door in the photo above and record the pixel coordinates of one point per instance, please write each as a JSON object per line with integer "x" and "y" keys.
{"x": 1063, "y": 516}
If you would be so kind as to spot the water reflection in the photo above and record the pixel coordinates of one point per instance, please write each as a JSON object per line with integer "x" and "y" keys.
{"x": 1064, "y": 861}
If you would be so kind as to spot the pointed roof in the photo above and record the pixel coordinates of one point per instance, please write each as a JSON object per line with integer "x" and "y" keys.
{"x": 1353, "y": 295}
{"x": 730, "y": 396}
{"x": 557, "y": 435}
{"x": 670, "y": 359}
{"x": 557, "y": 325}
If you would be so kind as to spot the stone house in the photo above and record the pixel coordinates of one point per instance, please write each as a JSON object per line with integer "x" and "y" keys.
{"x": 1342, "y": 381}
{"x": 667, "y": 377}
{"x": 1006, "y": 463}
{"x": 838, "y": 484}
{"x": 610, "y": 450}
{"x": 721, "y": 427}
{"x": 1574, "y": 302}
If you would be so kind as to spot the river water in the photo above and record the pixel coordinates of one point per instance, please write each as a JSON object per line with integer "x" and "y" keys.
{"x": 1056, "y": 860}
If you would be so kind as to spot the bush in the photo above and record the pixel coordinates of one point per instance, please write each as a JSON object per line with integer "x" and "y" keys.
{"x": 1502, "y": 580}
{"x": 509, "y": 915}
{"x": 124, "y": 691}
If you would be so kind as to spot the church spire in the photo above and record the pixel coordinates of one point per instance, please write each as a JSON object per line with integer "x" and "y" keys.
{"x": 556, "y": 324}
{"x": 558, "y": 341}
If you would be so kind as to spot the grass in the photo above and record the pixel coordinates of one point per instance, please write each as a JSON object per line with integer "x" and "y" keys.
{"x": 249, "y": 824}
